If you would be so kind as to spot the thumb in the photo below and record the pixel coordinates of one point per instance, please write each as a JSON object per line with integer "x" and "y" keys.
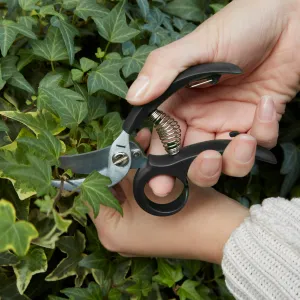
{"x": 164, "y": 64}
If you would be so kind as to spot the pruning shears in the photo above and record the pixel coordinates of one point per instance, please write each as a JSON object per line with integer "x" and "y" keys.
{"x": 116, "y": 160}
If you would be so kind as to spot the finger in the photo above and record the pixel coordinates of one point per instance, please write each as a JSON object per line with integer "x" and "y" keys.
{"x": 239, "y": 156}
{"x": 265, "y": 126}
{"x": 206, "y": 169}
{"x": 143, "y": 137}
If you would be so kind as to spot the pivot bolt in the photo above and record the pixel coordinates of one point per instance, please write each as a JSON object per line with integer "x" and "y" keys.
{"x": 120, "y": 159}
{"x": 136, "y": 153}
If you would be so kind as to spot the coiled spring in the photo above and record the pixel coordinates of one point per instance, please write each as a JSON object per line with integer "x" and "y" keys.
{"x": 168, "y": 131}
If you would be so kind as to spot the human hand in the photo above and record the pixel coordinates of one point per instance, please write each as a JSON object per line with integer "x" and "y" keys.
{"x": 199, "y": 231}
{"x": 258, "y": 36}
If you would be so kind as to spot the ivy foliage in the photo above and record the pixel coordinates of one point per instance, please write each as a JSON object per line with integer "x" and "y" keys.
{"x": 65, "y": 68}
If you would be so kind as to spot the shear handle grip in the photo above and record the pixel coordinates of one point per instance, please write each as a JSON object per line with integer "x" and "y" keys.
{"x": 139, "y": 113}
{"x": 177, "y": 166}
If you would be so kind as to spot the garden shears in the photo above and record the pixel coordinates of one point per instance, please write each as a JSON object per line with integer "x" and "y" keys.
{"x": 116, "y": 160}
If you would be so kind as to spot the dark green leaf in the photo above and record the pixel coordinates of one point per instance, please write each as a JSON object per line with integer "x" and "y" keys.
{"x": 142, "y": 269}
{"x": 95, "y": 191}
{"x": 121, "y": 272}
{"x": 113, "y": 122}
{"x": 216, "y": 7}
{"x": 144, "y": 7}
{"x": 87, "y": 64}
{"x": 70, "y": 4}
{"x": 93, "y": 292}
{"x": 9, "y": 291}
{"x": 89, "y": 8}
{"x": 7, "y": 259}
{"x": 187, "y": 290}
{"x": 3, "y": 126}
{"x": 18, "y": 80}
{"x": 95, "y": 260}
{"x": 28, "y": 4}
{"x": 113, "y": 27}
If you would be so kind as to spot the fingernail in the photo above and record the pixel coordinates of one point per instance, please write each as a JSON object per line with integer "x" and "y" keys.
{"x": 210, "y": 165}
{"x": 138, "y": 89}
{"x": 266, "y": 109}
{"x": 245, "y": 148}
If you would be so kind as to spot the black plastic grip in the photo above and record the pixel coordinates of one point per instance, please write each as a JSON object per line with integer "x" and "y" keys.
{"x": 139, "y": 113}
{"x": 177, "y": 166}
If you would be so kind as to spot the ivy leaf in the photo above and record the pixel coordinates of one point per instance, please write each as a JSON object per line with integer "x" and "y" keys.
{"x": 121, "y": 272}
{"x": 26, "y": 57}
{"x": 89, "y": 8}
{"x": 28, "y": 4}
{"x": 92, "y": 292}
{"x": 105, "y": 138}
{"x": 87, "y": 64}
{"x": 18, "y": 80}
{"x": 191, "y": 10}
{"x": 107, "y": 77}
{"x": 77, "y": 75}
{"x": 2, "y": 82}
{"x": 8, "y": 66}
{"x": 61, "y": 224}
{"x": 73, "y": 246}
{"x": 94, "y": 190}
{"x": 188, "y": 291}
{"x": 8, "y": 289}
{"x": 69, "y": 4}
{"x": 33, "y": 263}
{"x": 27, "y": 21}
{"x": 128, "y": 48}
{"x": 3, "y": 126}
{"x": 216, "y": 7}
{"x": 52, "y": 48}
{"x": 144, "y": 7}
{"x": 95, "y": 260}
{"x": 15, "y": 236}
{"x": 113, "y": 122}
{"x": 46, "y": 145}
{"x": 36, "y": 120}
{"x": 8, "y": 33}
{"x": 68, "y": 33}
{"x": 49, "y": 10}
{"x": 7, "y": 259}
{"x": 167, "y": 274}
{"x": 142, "y": 269}
{"x": 113, "y": 27}
{"x": 135, "y": 63}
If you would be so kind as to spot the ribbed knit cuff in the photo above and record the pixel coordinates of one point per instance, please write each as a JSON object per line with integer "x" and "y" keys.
{"x": 262, "y": 256}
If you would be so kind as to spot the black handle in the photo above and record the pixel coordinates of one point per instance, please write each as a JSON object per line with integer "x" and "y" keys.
{"x": 195, "y": 73}
{"x": 177, "y": 166}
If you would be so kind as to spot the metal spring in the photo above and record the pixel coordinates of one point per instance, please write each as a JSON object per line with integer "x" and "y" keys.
{"x": 168, "y": 131}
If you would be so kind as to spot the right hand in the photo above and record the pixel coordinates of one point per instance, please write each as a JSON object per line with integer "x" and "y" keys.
{"x": 261, "y": 37}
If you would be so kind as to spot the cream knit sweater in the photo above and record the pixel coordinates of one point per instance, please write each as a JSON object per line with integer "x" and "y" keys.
{"x": 262, "y": 257}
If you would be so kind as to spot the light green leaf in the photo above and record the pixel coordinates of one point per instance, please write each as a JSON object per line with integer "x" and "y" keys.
{"x": 15, "y": 236}
{"x": 107, "y": 77}
{"x": 73, "y": 246}
{"x": 52, "y": 48}
{"x": 49, "y": 10}
{"x": 95, "y": 260}
{"x": 7, "y": 259}
{"x": 87, "y": 64}
{"x": 113, "y": 122}
{"x": 94, "y": 190}
{"x": 18, "y": 80}
{"x": 216, "y": 7}
{"x": 135, "y": 63}
{"x": 27, "y": 21}
{"x": 188, "y": 291}
{"x": 89, "y": 8}
{"x": 113, "y": 27}
{"x": 28, "y": 4}
{"x": 45, "y": 146}
{"x": 70, "y": 4}
{"x": 36, "y": 120}
{"x": 68, "y": 32}
{"x": 77, "y": 75}
{"x": 191, "y": 10}
{"x": 93, "y": 292}
{"x": 45, "y": 205}
{"x": 144, "y": 7}
{"x": 8, "y": 33}
{"x": 61, "y": 224}
{"x": 105, "y": 138}
{"x": 33, "y": 263}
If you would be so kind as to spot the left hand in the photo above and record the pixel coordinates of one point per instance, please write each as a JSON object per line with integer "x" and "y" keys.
{"x": 199, "y": 231}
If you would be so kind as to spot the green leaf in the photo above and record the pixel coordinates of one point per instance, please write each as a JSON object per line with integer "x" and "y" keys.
{"x": 113, "y": 122}
{"x": 7, "y": 259}
{"x": 93, "y": 292}
{"x": 77, "y": 75}
{"x": 191, "y": 267}
{"x": 107, "y": 77}
{"x": 168, "y": 275}
{"x": 28, "y": 4}
{"x": 96, "y": 107}
{"x": 36, "y": 121}
{"x": 87, "y": 64}
{"x": 49, "y": 10}
{"x": 15, "y": 236}
{"x": 89, "y": 8}
{"x": 95, "y": 260}
{"x": 2, "y": 82}
{"x": 46, "y": 146}
{"x": 94, "y": 190}
{"x": 121, "y": 272}
{"x": 3, "y": 126}
{"x": 68, "y": 33}
{"x": 135, "y": 63}
{"x": 18, "y": 80}
{"x": 69, "y": 4}
{"x": 27, "y": 21}
{"x": 33, "y": 263}
{"x": 26, "y": 57}
{"x": 216, "y": 7}
{"x": 128, "y": 48}
{"x": 61, "y": 224}
{"x": 113, "y": 27}
{"x": 105, "y": 138}
{"x": 188, "y": 291}
{"x": 52, "y": 48}
{"x": 191, "y": 10}
{"x": 144, "y": 7}
{"x": 73, "y": 246}
{"x": 45, "y": 205}
{"x": 8, "y": 66}
{"x": 8, "y": 289}
{"x": 142, "y": 269}
{"x": 8, "y": 33}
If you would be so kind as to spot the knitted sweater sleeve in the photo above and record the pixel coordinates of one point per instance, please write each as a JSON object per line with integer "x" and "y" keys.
{"x": 261, "y": 259}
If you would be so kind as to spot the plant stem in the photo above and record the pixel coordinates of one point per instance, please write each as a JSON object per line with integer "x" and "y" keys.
{"x": 106, "y": 48}
{"x": 52, "y": 66}
{"x": 58, "y": 195}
